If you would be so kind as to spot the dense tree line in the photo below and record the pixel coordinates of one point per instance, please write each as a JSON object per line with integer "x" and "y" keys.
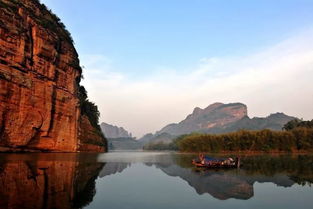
{"x": 294, "y": 140}
{"x": 296, "y": 123}
{"x": 296, "y": 136}
{"x": 160, "y": 145}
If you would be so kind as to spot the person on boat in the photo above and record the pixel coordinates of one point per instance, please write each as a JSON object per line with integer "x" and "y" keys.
{"x": 201, "y": 158}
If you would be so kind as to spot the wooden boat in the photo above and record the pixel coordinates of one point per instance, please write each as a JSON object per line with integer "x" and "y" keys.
{"x": 209, "y": 162}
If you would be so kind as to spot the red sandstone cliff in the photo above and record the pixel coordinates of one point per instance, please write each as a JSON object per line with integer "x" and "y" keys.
{"x": 39, "y": 82}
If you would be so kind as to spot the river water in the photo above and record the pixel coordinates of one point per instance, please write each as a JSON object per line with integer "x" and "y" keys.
{"x": 151, "y": 180}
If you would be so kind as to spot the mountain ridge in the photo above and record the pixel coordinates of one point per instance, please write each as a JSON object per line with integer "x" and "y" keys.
{"x": 113, "y": 131}
{"x": 218, "y": 118}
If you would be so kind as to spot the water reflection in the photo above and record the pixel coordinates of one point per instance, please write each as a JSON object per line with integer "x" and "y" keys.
{"x": 282, "y": 170}
{"x": 70, "y": 180}
{"x": 47, "y": 180}
{"x": 111, "y": 168}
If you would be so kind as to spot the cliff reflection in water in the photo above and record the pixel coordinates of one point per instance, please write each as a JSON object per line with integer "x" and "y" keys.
{"x": 69, "y": 180}
{"x": 47, "y": 180}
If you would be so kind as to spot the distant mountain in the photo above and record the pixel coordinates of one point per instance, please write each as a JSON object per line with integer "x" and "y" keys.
{"x": 218, "y": 118}
{"x": 146, "y": 138}
{"x": 201, "y": 120}
{"x": 274, "y": 121}
{"x": 160, "y": 137}
{"x": 119, "y": 139}
{"x": 124, "y": 144}
{"x": 111, "y": 131}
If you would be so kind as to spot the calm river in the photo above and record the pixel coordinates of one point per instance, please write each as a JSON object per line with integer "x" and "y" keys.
{"x": 119, "y": 180}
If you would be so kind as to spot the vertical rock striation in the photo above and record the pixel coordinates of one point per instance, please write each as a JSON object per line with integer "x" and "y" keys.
{"x": 39, "y": 83}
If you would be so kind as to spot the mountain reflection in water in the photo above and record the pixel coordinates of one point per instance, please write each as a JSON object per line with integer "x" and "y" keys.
{"x": 238, "y": 183}
{"x": 69, "y": 180}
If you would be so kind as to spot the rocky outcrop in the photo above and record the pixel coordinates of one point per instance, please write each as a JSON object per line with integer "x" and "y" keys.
{"x": 200, "y": 120}
{"x": 215, "y": 115}
{"x": 39, "y": 82}
{"x": 111, "y": 131}
{"x": 217, "y": 118}
{"x": 47, "y": 182}
{"x": 90, "y": 138}
{"x": 119, "y": 139}
{"x": 274, "y": 121}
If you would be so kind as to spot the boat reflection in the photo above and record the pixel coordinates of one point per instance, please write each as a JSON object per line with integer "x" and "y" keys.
{"x": 282, "y": 170}
{"x": 69, "y": 180}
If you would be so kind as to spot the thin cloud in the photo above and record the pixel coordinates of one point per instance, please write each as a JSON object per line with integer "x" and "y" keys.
{"x": 278, "y": 78}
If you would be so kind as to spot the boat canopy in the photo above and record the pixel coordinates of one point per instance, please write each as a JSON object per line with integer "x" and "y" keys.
{"x": 208, "y": 158}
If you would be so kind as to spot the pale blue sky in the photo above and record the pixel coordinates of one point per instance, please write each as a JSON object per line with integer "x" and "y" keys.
{"x": 141, "y": 35}
{"x": 150, "y": 62}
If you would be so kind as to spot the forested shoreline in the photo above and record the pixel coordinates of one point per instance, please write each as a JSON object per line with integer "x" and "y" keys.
{"x": 296, "y": 136}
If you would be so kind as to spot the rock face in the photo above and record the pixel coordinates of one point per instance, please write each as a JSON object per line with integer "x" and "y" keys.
{"x": 215, "y": 115}
{"x": 218, "y": 118}
{"x": 39, "y": 82}
{"x": 274, "y": 121}
{"x": 118, "y": 138}
{"x": 111, "y": 131}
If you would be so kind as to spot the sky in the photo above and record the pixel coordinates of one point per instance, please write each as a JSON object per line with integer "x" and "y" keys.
{"x": 148, "y": 63}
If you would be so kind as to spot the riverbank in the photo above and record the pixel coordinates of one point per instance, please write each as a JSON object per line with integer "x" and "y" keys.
{"x": 298, "y": 140}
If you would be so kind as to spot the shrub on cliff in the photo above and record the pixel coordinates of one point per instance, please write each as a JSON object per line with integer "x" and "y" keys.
{"x": 52, "y": 21}
{"x": 88, "y": 108}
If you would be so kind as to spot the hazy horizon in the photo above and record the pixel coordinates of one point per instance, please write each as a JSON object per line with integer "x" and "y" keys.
{"x": 150, "y": 63}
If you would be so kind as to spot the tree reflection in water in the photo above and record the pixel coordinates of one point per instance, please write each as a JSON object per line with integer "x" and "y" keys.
{"x": 69, "y": 180}
{"x": 282, "y": 170}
